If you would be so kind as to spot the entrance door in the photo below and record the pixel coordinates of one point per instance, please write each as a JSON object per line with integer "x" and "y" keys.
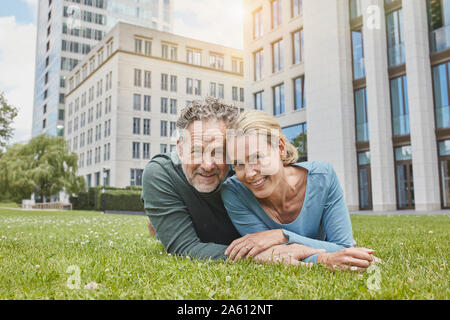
{"x": 365, "y": 189}
{"x": 405, "y": 185}
{"x": 444, "y": 169}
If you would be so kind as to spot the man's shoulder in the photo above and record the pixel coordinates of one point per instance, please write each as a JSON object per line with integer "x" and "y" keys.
{"x": 161, "y": 162}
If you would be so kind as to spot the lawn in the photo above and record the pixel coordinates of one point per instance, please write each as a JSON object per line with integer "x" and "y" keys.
{"x": 89, "y": 255}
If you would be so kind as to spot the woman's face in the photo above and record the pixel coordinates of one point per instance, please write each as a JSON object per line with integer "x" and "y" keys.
{"x": 256, "y": 162}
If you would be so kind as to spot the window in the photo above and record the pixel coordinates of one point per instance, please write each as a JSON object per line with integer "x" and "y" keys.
{"x": 198, "y": 87}
{"x": 136, "y": 177}
{"x": 358, "y": 55}
{"x": 163, "y": 148}
{"x": 221, "y": 91}
{"x": 137, "y": 77}
{"x": 146, "y": 131}
{"x": 136, "y": 126}
{"x": 137, "y": 102}
{"x": 241, "y": 94}
{"x": 173, "y": 106}
{"x": 259, "y": 100}
{"x": 257, "y": 24}
{"x": 146, "y": 151}
{"x": 259, "y": 65}
{"x": 189, "y": 86}
{"x": 299, "y": 93}
{"x": 60, "y": 114}
{"x": 278, "y": 99}
{"x": 400, "y": 108}
{"x": 216, "y": 61}
{"x": 278, "y": 56}
{"x": 193, "y": 56}
{"x": 163, "y": 105}
{"x": 173, "y": 129}
{"x": 148, "y": 48}
{"x": 212, "y": 89}
{"x": 234, "y": 93}
{"x": 147, "y": 79}
{"x": 164, "y": 51}
{"x": 163, "y": 128}
{"x": 297, "y": 38}
{"x": 164, "y": 81}
{"x": 396, "y": 46}
{"x": 136, "y": 146}
{"x": 297, "y": 8}
{"x": 439, "y": 24}
{"x": 361, "y": 115}
{"x": 147, "y": 103}
{"x": 355, "y": 9}
{"x": 276, "y": 13}
{"x": 173, "y": 83}
{"x": 173, "y": 53}
{"x": 441, "y": 89}
{"x": 297, "y": 135}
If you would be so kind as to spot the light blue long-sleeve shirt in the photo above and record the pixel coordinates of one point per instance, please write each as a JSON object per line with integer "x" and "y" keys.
{"x": 323, "y": 222}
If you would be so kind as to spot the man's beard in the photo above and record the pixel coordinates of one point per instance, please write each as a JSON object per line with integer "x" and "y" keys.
{"x": 201, "y": 187}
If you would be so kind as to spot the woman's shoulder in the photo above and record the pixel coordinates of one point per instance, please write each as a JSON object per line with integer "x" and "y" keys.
{"x": 232, "y": 183}
{"x": 316, "y": 167}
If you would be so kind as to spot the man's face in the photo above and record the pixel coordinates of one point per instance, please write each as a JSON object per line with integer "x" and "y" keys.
{"x": 202, "y": 154}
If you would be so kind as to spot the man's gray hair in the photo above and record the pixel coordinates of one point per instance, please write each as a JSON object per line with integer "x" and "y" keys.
{"x": 208, "y": 109}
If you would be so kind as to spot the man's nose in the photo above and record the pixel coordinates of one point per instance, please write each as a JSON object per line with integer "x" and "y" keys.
{"x": 208, "y": 163}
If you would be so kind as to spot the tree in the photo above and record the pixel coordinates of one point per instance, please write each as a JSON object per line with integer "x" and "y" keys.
{"x": 43, "y": 166}
{"x": 300, "y": 142}
{"x": 7, "y": 115}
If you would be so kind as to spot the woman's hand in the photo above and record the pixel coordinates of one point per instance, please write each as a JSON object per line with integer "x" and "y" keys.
{"x": 287, "y": 254}
{"x": 251, "y": 245}
{"x": 353, "y": 259}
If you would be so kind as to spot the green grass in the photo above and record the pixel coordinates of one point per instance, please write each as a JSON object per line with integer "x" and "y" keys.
{"x": 116, "y": 252}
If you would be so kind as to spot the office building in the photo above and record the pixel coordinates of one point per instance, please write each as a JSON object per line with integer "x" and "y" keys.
{"x": 362, "y": 84}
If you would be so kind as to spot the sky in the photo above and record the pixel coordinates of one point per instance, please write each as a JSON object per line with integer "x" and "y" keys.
{"x": 216, "y": 21}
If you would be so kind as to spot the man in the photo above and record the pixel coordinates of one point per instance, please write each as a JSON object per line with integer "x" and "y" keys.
{"x": 181, "y": 193}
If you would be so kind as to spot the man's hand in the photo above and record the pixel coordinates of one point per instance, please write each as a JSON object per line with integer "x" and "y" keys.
{"x": 151, "y": 230}
{"x": 353, "y": 259}
{"x": 287, "y": 254}
{"x": 251, "y": 245}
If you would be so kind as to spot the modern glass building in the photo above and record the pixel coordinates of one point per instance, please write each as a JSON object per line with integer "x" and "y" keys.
{"x": 367, "y": 83}
{"x": 66, "y": 32}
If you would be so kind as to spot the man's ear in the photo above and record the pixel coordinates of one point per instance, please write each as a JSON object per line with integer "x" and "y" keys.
{"x": 179, "y": 149}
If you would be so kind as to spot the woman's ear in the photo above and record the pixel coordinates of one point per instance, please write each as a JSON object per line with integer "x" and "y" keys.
{"x": 282, "y": 148}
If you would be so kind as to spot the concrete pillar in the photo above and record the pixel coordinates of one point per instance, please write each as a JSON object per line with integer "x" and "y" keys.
{"x": 420, "y": 97}
{"x": 329, "y": 91}
{"x": 379, "y": 106}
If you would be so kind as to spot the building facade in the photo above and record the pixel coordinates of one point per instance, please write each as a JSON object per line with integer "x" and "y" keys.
{"x": 66, "y": 32}
{"x": 362, "y": 84}
{"x": 125, "y": 96}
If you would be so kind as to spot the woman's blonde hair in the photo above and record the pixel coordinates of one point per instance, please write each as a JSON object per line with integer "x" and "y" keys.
{"x": 256, "y": 121}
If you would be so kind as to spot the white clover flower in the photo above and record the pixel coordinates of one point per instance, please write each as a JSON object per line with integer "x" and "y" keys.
{"x": 227, "y": 278}
{"x": 111, "y": 243}
{"x": 430, "y": 232}
{"x": 4, "y": 238}
{"x": 91, "y": 286}
{"x": 37, "y": 266}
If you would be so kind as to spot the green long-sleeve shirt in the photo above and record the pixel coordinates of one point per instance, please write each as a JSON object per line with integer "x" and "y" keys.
{"x": 186, "y": 221}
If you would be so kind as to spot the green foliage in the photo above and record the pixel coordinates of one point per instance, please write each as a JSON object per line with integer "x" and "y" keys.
{"x": 114, "y": 199}
{"x": 7, "y": 115}
{"x": 43, "y": 166}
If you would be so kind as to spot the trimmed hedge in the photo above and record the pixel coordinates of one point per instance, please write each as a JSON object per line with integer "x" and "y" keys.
{"x": 116, "y": 199}
{"x": 120, "y": 200}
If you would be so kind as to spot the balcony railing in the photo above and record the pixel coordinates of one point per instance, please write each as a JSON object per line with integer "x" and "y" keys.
{"x": 440, "y": 39}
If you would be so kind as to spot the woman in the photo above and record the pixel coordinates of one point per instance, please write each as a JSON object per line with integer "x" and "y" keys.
{"x": 275, "y": 201}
